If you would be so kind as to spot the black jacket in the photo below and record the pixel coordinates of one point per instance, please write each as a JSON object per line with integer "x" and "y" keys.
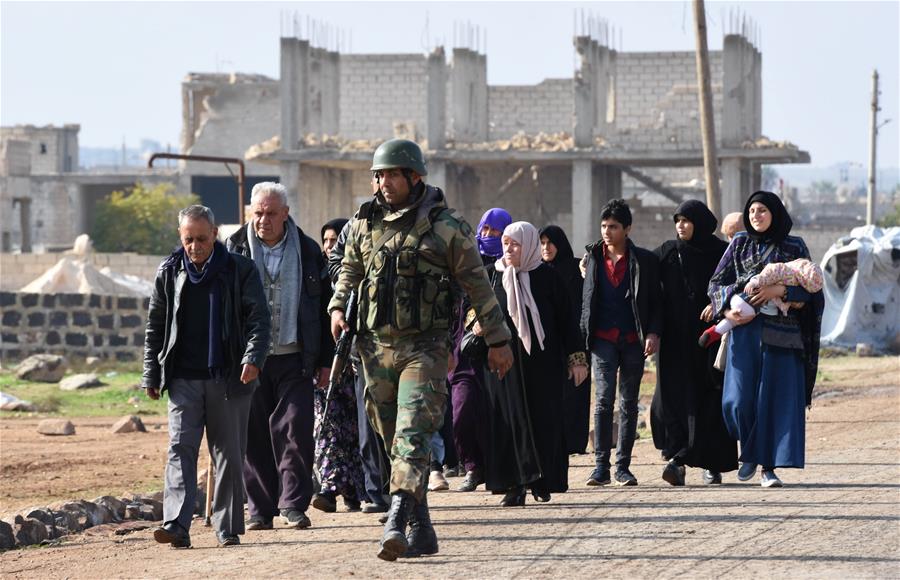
{"x": 643, "y": 291}
{"x": 313, "y": 324}
{"x": 246, "y": 326}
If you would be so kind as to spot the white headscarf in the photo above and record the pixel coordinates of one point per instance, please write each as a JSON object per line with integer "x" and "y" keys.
{"x": 517, "y": 282}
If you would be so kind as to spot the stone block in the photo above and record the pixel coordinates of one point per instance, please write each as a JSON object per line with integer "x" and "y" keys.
{"x": 29, "y": 532}
{"x": 59, "y": 318}
{"x": 56, "y": 427}
{"x": 52, "y": 338}
{"x": 36, "y": 319}
{"x": 137, "y": 339}
{"x": 47, "y": 368}
{"x": 81, "y": 318}
{"x": 10, "y": 337}
{"x": 29, "y": 300}
{"x": 125, "y": 356}
{"x": 80, "y": 381}
{"x": 131, "y": 321}
{"x": 117, "y": 340}
{"x": 94, "y": 301}
{"x": 76, "y": 339}
{"x": 7, "y": 299}
{"x": 11, "y": 318}
{"x": 114, "y": 505}
{"x": 71, "y": 299}
{"x": 48, "y": 300}
{"x": 106, "y": 321}
{"x": 129, "y": 424}
{"x": 126, "y": 303}
{"x": 7, "y": 538}
{"x": 98, "y": 341}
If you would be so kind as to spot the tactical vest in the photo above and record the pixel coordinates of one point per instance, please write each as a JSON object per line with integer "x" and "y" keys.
{"x": 405, "y": 289}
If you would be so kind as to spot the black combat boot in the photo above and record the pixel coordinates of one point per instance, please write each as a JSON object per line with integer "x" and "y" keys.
{"x": 421, "y": 536}
{"x": 394, "y": 542}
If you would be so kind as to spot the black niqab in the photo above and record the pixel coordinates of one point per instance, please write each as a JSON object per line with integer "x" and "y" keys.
{"x": 781, "y": 221}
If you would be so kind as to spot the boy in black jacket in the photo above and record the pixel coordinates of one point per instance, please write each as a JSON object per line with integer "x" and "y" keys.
{"x": 621, "y": 322}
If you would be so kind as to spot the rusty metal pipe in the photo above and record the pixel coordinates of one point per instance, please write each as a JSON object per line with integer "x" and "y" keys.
{"x": 211, "y": 159}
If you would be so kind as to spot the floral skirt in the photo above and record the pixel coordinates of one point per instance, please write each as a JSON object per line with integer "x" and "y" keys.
{"x": 338, "y": 461}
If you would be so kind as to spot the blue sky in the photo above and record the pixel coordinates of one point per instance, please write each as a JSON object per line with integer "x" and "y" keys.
{"x": 116, "y": 67}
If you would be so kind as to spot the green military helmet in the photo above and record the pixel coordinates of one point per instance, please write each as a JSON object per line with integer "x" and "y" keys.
{"x": 399, "y": 153}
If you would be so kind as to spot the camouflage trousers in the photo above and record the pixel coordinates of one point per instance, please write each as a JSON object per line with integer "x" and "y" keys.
{"x": 406, "y": 394}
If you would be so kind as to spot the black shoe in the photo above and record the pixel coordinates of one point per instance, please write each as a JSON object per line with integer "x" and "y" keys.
{"x": 394, "y": 543}
{"x": 375, "y": 508}
{"x": 673, "y": 474}
{"x": 711, "y": 477}
{"x": 226, "y": 539}
{"x": 625, "y": 478}
{"x": 295, "y": 518}
{"x": 172, "y": 533}
{"x": 352, "y": 505}
{"x": 259, "y": 523}
{"x": 515, "y": 497}
{"x": 600, "y": 476}
{"x": 325, "y": 502}
{"x": 473, "y": 479}
{"x": 421, "y": 536}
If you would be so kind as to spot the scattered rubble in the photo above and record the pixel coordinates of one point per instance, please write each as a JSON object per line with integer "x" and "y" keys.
{"x": 42, "y": 368}
{"x": 7, "y": 538}
{"x": 80, "y": 381}
{"x": 766, "y": 143}
{"x": 129, "y": 424}
{"x": 56, "y": 427}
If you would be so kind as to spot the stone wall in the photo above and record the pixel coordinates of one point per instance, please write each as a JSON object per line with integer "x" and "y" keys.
{"x": 72, "y": 324}
{"x": 17, "y": 270}
{"x": 547, "y": 106}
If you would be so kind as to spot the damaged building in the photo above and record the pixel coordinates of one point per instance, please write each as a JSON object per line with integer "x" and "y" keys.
{"x": 554, "y": 152}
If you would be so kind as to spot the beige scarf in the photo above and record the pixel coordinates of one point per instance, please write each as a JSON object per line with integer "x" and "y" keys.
{"x": 517, "y": 282}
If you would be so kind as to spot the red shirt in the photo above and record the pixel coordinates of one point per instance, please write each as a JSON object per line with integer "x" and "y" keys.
{"x": 615, "y": 273}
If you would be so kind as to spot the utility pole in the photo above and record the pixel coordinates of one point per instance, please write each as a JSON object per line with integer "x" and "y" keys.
{"x": 707, "y": 125}
{"x": 873, "y": 142}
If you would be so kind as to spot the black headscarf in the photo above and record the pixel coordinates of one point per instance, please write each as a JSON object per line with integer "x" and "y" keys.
{"x": 337, "y": 224}
{"x": 704, "y": 223}
{"x": 555, "y": 234}
{"x": 781, "y": 222}
{"x": 565, "y": 262}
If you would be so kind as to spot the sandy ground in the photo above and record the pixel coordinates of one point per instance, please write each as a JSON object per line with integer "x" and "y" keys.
{"x": 840, "y": 517}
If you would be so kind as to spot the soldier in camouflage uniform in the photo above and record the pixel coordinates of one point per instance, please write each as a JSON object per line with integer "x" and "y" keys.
{"x": 404, "y": 251}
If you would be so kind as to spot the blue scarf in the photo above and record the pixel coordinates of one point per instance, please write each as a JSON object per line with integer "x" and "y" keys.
{"x": 209, "y": 276}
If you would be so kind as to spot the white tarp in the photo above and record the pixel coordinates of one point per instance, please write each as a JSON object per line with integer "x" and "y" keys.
{"x": 862, "y": 288}
{"x": 79, "y": 276}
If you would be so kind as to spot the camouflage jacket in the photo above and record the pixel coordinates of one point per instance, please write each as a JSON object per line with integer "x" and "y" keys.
{"x": 405, "y": 287}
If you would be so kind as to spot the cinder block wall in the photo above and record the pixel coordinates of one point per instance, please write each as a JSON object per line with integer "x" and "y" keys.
{"x": 546, "y": 107}
{"x": 368, "y": 111}
{"x": 17, "y": 270}
{"x": 80, "y": 324}
{"x": 656, "y": 99}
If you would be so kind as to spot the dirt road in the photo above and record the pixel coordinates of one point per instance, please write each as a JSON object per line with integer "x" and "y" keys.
{"x": 840, "y": 517}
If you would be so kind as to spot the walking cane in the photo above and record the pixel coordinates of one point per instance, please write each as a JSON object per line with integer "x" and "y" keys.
{"x": 209, "y": 490}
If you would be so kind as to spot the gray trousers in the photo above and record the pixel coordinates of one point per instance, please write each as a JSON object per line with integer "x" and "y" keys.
{"x": 193, "y": 405}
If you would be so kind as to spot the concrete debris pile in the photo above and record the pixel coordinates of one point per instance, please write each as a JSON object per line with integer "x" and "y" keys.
{"x": 766, "y": 143}
{"x": 264, "y": 149}
{"x": 545, "y": 142}
{"x": 315, "y": 141}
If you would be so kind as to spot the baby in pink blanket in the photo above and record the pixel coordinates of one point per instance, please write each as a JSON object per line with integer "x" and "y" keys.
{"x": 800, "y": 272}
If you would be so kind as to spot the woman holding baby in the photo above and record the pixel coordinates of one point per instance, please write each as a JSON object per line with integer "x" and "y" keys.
{"x": 773, "y": 350}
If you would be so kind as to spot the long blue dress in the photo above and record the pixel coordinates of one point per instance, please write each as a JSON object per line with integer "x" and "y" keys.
{"x": 772, "y": 360}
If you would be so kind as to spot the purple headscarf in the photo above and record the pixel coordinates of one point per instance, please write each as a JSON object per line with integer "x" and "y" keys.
{"x": 497, "y": 218}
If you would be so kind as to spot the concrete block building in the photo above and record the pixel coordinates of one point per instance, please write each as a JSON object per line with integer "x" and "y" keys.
{"x": 553, "y": 152}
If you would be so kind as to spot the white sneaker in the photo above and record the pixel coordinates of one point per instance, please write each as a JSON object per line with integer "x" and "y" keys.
{"x": 437, "y": 482}
{"x": 769, "y": 479}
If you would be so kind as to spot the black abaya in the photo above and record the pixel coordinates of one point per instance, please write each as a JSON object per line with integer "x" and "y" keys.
{"x": 686, "y": 412}
{"x": 531, "y": 395}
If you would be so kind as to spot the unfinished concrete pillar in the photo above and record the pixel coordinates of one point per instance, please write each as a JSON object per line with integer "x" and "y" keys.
{"x": 736, "y": 184}
{"x": 294, "y": 60}
{"x": 586, "y": 204}
{"x": 468, "y": 96}
{"x": 585, "y": 114}
{"x": 741, "y": 91}
{"x": 324, "y": 85}
{"x": 436, "y": 123}
{"x": 437, "y": 174}
{"x": 24, "y": 222}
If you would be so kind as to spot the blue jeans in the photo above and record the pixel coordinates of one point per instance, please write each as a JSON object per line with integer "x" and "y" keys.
{"x": 609, "y": 360}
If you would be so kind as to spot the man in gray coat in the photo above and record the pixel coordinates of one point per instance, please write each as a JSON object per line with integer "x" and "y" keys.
{"x": 207, "y": 334}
